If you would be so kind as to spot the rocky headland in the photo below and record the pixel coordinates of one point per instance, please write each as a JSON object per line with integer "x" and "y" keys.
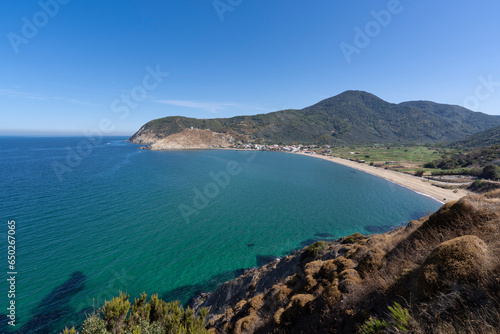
{"x": 186, "y": 139}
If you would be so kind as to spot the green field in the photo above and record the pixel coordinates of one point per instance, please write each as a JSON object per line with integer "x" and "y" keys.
{"x": 407, "y": 154}
{"x": 402, "y": 158}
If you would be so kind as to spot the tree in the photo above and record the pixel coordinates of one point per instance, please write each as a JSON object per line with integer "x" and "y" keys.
{"x": 431, "y": 164}
{"x": 153, "y": 317}
{"x": 115, "y": 312}
{"x": 491, "y": 172}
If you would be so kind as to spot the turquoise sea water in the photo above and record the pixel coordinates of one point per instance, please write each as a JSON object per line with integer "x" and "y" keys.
{"x": 103, "y": 216}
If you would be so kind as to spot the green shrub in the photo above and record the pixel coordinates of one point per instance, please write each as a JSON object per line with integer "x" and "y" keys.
{"x": 115, "y": 313}
{"x": 316, "y": 248}
{"x": 457, "y": 171}
{"x": 69, "y": 331}
{"x": 401, "y": 318}
{"x": 400, "y": 322}
{"x": 140, "y": 310}
{"x": 145, "y": 327}
{"x": 481, "y": 186}
{"x": 478, "y": 184}
{"x": 153, "y": 317}
{"x": 475, "y": 171}
{"x": 94, "y": 324}
{"x": 491, "y": 172}
{"x": 373, "y": 326}
{"x": 447, "y": 164}
{"x": 353, "y": 238}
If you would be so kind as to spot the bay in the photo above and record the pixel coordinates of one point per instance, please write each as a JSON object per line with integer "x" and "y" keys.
{"x": 96, "y": 217}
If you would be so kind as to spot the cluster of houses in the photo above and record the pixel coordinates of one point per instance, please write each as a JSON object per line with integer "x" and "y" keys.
{"x": 309, "y": 149}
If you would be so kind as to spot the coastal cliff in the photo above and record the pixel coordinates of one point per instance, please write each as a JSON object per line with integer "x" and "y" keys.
{"x": 186, "y": 139}
{"x": 438, "y": 274}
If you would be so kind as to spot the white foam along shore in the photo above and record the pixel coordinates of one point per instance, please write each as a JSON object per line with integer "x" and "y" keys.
{"x": 417, "y": 184}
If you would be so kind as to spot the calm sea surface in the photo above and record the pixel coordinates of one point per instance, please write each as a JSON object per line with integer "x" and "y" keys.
{"x": 96, "y": 217}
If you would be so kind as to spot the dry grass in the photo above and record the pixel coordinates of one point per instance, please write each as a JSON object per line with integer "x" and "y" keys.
{"x": 300, "y": 300}
{"x": 282, "y": 291}
{"x": 464, "y": 260}
{"x": 256, "y": 302}
{"x": 331, "y": 294}
{"x": 372, "y": 261}
{"x": 296, "y": 307}
{"x": 277, "y": 315}
{"x": 342, "y": 263}
{"x": 312, "y": 268}
{"x": 349, "y": 280}
{"x": 246, "y": 324}
{"x": 493, "y": 194}
{"x": 328, "y": 270}
{"x": 309, "y": 284}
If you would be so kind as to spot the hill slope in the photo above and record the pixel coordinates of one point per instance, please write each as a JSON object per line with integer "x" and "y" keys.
{"x": 484, "y": 138}
{"x": 193, "y": 139}
{"x": 350, "y": 117}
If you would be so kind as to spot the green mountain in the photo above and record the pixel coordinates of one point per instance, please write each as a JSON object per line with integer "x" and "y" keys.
{"x": 481, "y": 139}
{"x": 352, "y": 117}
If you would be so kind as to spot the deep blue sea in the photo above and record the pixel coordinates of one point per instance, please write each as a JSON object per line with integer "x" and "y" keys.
{"x": 96, "y": 217}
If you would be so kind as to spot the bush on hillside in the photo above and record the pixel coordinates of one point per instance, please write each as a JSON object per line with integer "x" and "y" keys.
{"x": 115, "y": 312}
{"x": 491, "y": 172}
{"x": 482, "y": 186}
{"x": 400, "y": 322}
{"x": 431, "y": 164}
{"x": 458, "y": 171}
{"x": 154, "y": 317}
{"x": 353, "y": 238}
{"x": 458, "y": 261}
{"x": 316, "y": 248}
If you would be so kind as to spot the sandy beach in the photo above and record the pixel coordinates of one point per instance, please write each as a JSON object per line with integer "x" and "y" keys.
{"x": 415, "y": 183}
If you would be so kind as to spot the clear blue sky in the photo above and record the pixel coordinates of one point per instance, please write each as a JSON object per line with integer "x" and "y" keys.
{"x": 250, "y": 57}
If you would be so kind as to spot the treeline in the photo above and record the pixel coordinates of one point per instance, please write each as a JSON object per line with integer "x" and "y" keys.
{"x": 478, "y": 157}
{"x": 481, "y": 162}
{"x": 490, "y": 172}
{"x": 155, "y": 316}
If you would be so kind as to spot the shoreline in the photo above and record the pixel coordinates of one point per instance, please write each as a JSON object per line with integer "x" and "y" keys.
{"x": 417, "y": 184}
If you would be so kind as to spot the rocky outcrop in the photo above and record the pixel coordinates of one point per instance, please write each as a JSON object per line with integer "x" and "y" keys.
{"x": 145, "y": 136}
{"x": 186, "y": 139}
{"x": 252, "y": 282}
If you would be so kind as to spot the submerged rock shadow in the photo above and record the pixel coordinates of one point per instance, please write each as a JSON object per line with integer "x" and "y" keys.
{"x": 379, "y": 228}
{"x": 53, "y": 313}
{"x": 415, "y": 215}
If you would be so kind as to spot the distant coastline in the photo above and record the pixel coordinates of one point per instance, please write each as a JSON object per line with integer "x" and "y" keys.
{"x": 418, "y": 184}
